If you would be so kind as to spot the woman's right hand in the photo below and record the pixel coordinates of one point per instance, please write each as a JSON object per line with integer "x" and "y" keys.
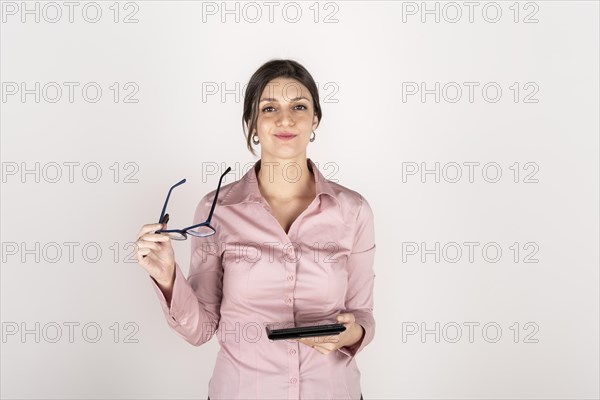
{"x": 155, "y": 254}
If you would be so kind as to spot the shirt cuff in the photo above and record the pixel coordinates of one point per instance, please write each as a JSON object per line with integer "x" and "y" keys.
{"x": 180, "y": 295}
{"x": 366, "y": 320}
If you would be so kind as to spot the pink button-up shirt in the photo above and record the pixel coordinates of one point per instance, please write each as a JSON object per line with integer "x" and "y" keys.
{"x": 251, "y": 274}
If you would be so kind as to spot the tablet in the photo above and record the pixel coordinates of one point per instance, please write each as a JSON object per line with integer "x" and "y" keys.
{"x": 305, "y": 331}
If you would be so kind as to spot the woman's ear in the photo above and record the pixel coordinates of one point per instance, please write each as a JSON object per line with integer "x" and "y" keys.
{"x": 315, "y": 122}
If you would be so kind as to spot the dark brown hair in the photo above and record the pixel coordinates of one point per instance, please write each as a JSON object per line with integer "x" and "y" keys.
{"x": 268, "y": 71}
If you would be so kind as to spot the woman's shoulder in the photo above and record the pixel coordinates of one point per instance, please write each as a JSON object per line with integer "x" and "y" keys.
{"x": 206, "y": 201}
{"x": 349, "y": 199}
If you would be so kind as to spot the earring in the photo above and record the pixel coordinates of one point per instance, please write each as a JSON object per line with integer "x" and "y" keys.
{"x": 255, "y": 141}
{"x": 313, "y": 137}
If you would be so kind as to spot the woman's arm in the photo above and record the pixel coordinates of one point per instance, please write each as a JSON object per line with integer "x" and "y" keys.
{"x": 361, "y": 279}
{"x": 167, "y": 288}
{"x": 192, "y": 306}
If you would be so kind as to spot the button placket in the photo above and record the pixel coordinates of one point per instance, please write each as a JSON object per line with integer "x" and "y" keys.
{"x": 294, "y": 371}
{"x": 290, "y": 264}
{"x": 290, "y": 267}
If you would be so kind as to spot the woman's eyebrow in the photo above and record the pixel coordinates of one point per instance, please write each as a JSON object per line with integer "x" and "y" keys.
{"x": 294, "y": 99}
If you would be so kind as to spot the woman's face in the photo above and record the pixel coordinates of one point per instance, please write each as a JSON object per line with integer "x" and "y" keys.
{"x": 285, "y": 107}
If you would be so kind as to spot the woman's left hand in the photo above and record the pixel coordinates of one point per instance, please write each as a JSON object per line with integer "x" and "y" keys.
{"x": 326, "y": 344}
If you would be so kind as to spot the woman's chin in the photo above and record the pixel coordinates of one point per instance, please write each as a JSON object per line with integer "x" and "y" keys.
{"x": 286, "y": 152}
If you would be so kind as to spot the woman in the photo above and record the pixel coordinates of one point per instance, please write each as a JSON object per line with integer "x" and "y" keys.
{"x": 290, "y": 249}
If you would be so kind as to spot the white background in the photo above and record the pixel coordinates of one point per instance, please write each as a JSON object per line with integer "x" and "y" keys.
{"x": 364, "y": 59}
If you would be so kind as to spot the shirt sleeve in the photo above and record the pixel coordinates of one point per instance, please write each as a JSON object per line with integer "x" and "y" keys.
{"x": 194, "y": 312}
{"x": 361, "y": 279}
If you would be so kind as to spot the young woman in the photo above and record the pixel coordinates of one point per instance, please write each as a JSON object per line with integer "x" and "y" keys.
{"x": 289, "y": 248}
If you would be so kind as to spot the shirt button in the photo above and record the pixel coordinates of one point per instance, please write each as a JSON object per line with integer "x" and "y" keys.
{"x": 292, "y": 351}
{"x": 293, "y": 380}
{"x": 288, "y": 300}
{"x": 290, "y": 277}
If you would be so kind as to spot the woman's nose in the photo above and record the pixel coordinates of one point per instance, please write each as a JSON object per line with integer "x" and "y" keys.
{"x": 285, "y": 118}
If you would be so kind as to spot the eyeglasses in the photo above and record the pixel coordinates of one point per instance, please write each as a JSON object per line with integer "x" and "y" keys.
{"x": 200, "y": 230}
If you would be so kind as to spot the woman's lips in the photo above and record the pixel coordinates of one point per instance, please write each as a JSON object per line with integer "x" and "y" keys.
{"x": 285, "y": 137}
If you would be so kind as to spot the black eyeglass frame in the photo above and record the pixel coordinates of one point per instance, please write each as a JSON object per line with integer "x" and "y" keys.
{"x": 190, "y": 229}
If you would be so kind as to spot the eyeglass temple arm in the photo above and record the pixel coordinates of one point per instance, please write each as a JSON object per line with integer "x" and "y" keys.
{"x": 162, "y": 213}
{"x": 212, "y": 208}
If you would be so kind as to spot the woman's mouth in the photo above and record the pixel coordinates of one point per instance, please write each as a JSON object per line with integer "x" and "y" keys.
{"x": 285, "y": 136}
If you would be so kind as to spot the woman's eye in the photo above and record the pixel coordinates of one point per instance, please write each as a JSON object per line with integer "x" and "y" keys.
{"x": 302, "y": 107}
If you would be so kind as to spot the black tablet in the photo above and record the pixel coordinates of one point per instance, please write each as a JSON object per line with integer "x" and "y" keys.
{"x": 305, "y": 331}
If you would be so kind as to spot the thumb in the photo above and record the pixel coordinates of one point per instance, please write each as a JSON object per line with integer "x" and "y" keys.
{"x": 164, "y": 221}
{"x": 344, "y": 318}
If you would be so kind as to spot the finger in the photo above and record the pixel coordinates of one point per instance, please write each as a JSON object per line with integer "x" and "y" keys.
{"x": 155, "y": 237}
{"x": 145, "y": 246}
{"x": 312, "y": 341}
{"x": 306, "y": 341}
{"x": 345, "y": 318}
{"x": 325, "y": 339}
{"x": 327, "y": 349}
{"x": 323, "y": 349}
{"x": 322, "y": 340}
{"x": 144, "y": 255}
{"x": 149, "y": 228}
{"x": 149, "y": 259}
{"x": 146, "y": 259}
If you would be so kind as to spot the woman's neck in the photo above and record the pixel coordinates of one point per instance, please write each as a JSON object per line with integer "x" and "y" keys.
{"x": 285, "y": 179}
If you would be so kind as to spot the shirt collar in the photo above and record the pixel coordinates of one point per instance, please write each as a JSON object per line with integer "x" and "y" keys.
{"x": 246, "y": 189}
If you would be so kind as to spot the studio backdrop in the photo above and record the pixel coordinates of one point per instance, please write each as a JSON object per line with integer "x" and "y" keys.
{"x": 471, "y": 128}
